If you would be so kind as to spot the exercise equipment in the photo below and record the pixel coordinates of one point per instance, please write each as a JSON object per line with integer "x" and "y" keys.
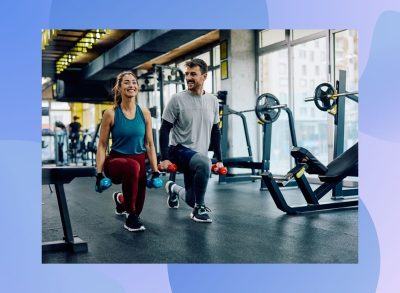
{"x": 336, "y": 106}
{"x": 268, "y": 109}
{"x": 154, "y": 181}
{"x": 61, "y": 144}
{"x": 331, "y": 176}
{"x": 325, "y": 96}
{"x": 105, "y": 184}
{"x": 60, "y": 176}
{"x": 49, "y": 147}
{"x": 157, "y": 83}
{"x": 216, "y": 170}
{"x": 172, "y": 168}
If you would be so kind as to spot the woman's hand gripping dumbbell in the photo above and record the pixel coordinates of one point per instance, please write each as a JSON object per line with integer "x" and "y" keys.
{"x": 154, "y": 181}
{"x": 102, "y": 183}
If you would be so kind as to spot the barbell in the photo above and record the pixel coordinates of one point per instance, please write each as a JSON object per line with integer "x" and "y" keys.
{"x": 267, "y": 108}
{"x": 325, "y": 96}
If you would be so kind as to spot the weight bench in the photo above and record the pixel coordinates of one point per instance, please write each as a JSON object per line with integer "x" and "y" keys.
{"x": 60, "y": 176}
{"x": 333, "y": 174}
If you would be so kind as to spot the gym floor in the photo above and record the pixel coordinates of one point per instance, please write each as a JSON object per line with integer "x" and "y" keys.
{"x": 247, "y": 228}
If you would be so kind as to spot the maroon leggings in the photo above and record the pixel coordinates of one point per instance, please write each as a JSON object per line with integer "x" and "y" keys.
{"x": 131, "y": 172}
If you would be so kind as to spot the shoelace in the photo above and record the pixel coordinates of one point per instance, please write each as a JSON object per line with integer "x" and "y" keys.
{"x": 204, "y": 209}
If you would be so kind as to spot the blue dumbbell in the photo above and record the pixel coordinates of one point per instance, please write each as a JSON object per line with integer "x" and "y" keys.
{"x": 154, "y": 183}
{"x": 104, "y": 184}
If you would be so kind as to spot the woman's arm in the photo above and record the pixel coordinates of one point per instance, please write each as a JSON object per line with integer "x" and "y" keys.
{"x": 106, "y": 123}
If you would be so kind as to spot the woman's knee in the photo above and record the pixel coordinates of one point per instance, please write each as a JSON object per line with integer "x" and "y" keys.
{"x": 132, "y": 167}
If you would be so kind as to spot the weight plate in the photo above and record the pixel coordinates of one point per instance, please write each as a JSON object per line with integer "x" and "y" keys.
{"x": 321, "y": 96}
{"x": 263, "y": 108}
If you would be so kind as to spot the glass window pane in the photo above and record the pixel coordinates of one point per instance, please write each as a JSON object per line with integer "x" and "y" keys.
{"x": 269, "y": 37}
{"x": 59, "y": 106}
{"x": 208, "y": 82}
{"x": 274, "y": 79}
{"x": 297, "y": 34}
{"x": 274, "y": 74}
{"x": 311, "y": 123}
{"x": 216, "y": 54}
{"x": 205, "y": 56}
{"x": 217, "y": 79}
{"x": 346, "y": 58}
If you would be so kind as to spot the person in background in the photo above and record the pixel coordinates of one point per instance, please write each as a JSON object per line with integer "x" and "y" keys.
{"x": 73, "y": 129}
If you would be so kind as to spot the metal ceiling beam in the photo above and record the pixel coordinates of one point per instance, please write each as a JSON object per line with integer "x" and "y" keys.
{"x": 137, "y": 48}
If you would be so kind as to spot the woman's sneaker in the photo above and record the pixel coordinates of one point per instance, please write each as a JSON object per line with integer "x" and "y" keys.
{"x": 200, "y": 214}
{"x": 133, "y": 224}
{"x": 173, "y": 198}
{"x": 119, "y": 207}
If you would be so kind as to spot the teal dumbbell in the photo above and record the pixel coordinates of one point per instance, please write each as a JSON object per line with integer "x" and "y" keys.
{"x": 102, "y": 183}
{"x": 154, "y": 181}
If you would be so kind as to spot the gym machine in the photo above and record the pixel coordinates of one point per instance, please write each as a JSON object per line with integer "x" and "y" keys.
{"x": 61, "y": 144}
{"x": 332, "y": 100}
{"x": 268, "y": 110}
{"x": 92, "y": 145}
{"x": 155, "y": 81}
{"x": 345, "y": 164}
{"x": 331, "y": 176}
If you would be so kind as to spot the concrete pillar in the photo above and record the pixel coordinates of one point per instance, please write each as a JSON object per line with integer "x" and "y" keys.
{"x": 241, "y": 88}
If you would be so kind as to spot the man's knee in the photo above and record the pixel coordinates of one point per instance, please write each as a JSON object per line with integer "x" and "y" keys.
{"x": 201, "y": 163}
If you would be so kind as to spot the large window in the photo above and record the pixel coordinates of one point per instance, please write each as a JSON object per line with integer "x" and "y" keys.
{"x": 270, "y": 37}
{"x": 291, "y": 64}
{"x": 59, "y": 111}
{"x": 311, "y": 123}
{"x": 274, "y": 79}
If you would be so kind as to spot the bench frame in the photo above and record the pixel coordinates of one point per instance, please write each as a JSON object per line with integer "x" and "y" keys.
{"x": 60, "y": 176}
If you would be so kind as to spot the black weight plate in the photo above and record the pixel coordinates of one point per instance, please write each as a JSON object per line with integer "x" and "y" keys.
{"x": 321, "y": 96}
{"x": 263, "y": 111}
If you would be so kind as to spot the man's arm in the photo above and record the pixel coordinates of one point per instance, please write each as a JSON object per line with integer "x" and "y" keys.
{"x": 216, "y": 141}
{"x": 164, "y": 138}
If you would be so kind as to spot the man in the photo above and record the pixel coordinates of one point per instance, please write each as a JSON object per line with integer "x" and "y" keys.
{"x": 194, "y": 119}
{"x": 74, "y": 128}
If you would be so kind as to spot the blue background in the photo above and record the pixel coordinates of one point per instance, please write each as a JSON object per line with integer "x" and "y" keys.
{"x": 21, "y": 21}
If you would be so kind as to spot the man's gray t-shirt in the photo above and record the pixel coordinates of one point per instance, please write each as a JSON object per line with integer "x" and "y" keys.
{"x": 193, "y": 117}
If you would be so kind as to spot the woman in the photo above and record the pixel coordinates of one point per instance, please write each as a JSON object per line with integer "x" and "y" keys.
{"x": 132, "y": 138}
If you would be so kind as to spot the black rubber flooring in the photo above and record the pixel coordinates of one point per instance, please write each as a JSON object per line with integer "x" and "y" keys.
{"x": 247, "y": 228}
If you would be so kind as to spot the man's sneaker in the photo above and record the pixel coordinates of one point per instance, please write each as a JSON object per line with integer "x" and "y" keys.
{"x": 200, "y": 214}
{"x": 119, "y": 208}
{"x": 134, "y": 224}
{"x": 173, "y": 198}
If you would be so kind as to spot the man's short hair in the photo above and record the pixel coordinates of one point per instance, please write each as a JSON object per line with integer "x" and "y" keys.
{"x": 197, "y": 62}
